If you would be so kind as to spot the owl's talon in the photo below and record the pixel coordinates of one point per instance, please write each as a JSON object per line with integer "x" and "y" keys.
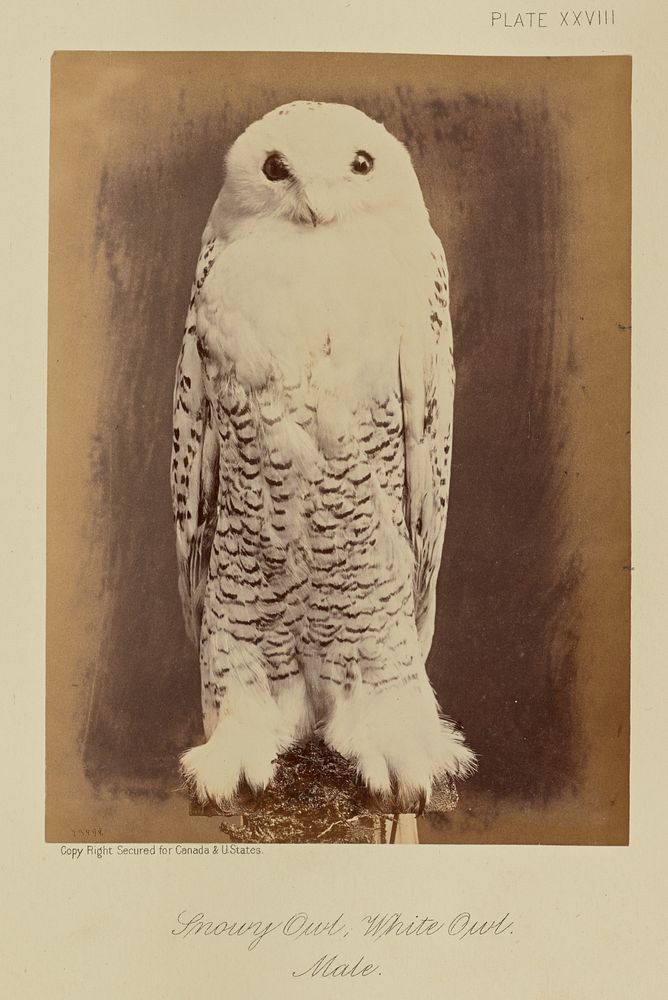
{"x": 238, "y": 756}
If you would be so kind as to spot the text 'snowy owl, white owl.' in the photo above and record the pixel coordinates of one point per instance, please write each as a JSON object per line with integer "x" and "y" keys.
{"x": 311, "y": 458}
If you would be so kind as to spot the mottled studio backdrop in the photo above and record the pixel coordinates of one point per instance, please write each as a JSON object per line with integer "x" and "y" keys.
{"x": 524, "y": 165}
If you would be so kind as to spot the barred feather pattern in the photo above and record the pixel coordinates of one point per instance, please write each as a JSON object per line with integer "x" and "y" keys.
{"x": 309, "y": 529}
{"x": 437, "y": 424}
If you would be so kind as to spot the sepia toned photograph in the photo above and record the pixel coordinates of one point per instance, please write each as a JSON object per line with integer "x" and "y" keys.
{"x": 338, "y": 527}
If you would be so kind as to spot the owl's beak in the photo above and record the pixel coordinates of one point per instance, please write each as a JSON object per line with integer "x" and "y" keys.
{"x": 308, "y": 214}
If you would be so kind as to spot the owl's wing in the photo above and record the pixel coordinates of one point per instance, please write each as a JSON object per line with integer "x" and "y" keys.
{"x": 195, "y": 465}
{"x": 427, "y": 376}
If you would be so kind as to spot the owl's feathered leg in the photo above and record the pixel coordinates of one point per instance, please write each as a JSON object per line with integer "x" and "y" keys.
{"x": 248, "y": 721}
{"x": 384, "y": 716}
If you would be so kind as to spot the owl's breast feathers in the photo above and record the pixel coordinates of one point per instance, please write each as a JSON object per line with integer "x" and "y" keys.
{"x": 312, "y": 436}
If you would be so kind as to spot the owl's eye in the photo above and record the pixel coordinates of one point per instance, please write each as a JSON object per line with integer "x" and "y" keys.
{"x": 275, "y": 168}
{"x": 363, "y": 162}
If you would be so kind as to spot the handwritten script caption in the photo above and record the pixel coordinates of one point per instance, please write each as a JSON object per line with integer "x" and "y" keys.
{"x": 362, "y": 932}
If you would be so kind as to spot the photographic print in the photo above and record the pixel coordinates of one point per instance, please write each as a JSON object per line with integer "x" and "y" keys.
{"x": 338, "y": 448}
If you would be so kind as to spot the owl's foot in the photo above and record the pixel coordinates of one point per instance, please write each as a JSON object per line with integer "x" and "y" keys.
{"x": 233, "y": 754}
{"x": 400, "y": 745}
{"x": 242, "y": 749}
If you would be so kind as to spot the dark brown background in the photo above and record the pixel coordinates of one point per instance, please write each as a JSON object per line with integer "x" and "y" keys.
{"x": 525, "y": 167}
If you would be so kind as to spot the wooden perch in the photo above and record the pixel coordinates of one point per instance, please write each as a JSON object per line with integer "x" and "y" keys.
{"x": 315, "y": 798}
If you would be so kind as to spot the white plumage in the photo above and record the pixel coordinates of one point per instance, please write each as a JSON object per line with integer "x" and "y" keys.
{"x": 311, "y": 458}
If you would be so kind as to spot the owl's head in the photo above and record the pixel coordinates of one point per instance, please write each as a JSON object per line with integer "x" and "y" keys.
{"x": 314, "y": 164}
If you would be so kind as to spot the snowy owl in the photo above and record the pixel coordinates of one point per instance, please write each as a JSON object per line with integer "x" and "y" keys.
{"x": 311, "y": 459}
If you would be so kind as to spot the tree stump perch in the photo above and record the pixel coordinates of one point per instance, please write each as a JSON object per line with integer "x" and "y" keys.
{"x": 316, "y": 798}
